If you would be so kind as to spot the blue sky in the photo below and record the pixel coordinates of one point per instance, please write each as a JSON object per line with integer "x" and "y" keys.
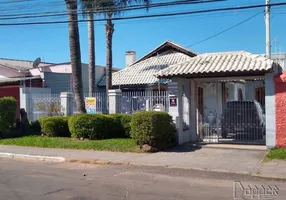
{"x": 50, "y": 42}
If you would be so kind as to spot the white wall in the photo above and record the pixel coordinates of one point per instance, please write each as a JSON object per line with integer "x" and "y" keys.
{"x": 66, "y": 69}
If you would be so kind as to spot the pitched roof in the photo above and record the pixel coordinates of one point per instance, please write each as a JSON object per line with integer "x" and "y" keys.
{"x": 19, "y": 64}
{"x": 142, "y": 71}
{"x": 167, "y": 45}
{"x": 215, "y": 63}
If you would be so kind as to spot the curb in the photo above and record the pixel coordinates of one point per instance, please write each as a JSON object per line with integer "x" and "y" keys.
{"x": 105, "y": 162}
{"x": 32, "y": 157}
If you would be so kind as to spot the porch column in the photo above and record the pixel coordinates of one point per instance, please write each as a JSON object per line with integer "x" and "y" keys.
{"x": 193, "y": 111}
{"x": 175, "y": 107}
{"x": 270, "y": 110}
{"x": 186, "y": 108}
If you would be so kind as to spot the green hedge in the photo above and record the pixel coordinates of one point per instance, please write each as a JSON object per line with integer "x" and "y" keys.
{"x": 8, "y": 108}
{"x": 123, "y": 124}
{"x": 99, "y": 126}
{"x": 55, "y": 126}
{"x": 153, "y": 128}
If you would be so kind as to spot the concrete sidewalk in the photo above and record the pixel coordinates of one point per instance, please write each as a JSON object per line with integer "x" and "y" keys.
{"x": 241, "y": 161}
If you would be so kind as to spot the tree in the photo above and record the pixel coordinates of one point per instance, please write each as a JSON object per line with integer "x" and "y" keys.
{"x": 75, "y": 54}
{"x": 89, "y": 6}
{"x": 112, "y": 8}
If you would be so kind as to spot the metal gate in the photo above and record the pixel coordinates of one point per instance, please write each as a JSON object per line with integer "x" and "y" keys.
{"x": 135, "y": 101}
{"x": 232, "y": 111}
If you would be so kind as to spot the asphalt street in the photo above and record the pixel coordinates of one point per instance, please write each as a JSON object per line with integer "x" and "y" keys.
{"x": 27, "y": 180}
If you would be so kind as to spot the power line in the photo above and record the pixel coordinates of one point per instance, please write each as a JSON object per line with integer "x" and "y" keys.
{"x": 100, "y": 11}
{"x": 148, "y": 16}
{"x": 225, "y": 30}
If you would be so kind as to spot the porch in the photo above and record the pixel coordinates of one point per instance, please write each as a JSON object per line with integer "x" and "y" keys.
{"x": 224, "y": 97}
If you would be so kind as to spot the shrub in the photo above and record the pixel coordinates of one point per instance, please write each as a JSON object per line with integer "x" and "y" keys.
{"x": 40, "y": 120}
{"x": 8, "y": 108}
{"x": 55, "y": 126}
{"x": 93, "y": 126}
{"x": 153, "y": 128}
{"x": 34, "y": 128}
{"x": 123, "y": 125}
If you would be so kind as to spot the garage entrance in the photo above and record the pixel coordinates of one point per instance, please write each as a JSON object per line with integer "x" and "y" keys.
{"x": 231, "y": 111}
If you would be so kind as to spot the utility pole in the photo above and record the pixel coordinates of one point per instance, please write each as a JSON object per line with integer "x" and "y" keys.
{"x": 267, "y": 24}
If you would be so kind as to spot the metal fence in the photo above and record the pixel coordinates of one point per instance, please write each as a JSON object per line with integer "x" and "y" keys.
{"x": 43, "y": 105}
{"x": 134, "y": 101}
{"x": 232, "y": 112}
{"x": 100, "y": 102}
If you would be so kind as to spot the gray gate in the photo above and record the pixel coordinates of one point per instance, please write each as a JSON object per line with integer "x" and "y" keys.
{"x": 232, "y": 111}
{"x": 134, "y": 101}
{"x": 40, "y": 105}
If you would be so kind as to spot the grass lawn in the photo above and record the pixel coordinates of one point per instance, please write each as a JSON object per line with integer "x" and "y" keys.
{"x": 279, "y": 154}
{"x": 121, "y": 145}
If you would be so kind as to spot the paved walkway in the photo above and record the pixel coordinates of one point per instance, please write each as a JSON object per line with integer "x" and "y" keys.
{"x": 247, "y": 161}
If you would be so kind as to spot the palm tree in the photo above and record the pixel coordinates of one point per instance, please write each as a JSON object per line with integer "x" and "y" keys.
{"x": 89, "y": 6}
{"x": 75, "y": 55}
{"x": 112, "y": 8}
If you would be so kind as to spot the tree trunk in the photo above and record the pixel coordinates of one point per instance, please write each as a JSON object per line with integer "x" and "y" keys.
{"x": 91, "y": 55}
{"x": 75, "y": 54}
{"x": 109, "y": 29}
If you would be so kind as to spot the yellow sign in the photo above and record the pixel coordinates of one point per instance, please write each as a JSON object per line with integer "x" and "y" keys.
{"x": 90, "y": 105}
{"x": 90, "y": 101}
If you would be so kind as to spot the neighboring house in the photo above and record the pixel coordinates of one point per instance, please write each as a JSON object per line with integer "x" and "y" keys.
{"x": 58, "y": 76}
{"x": 48, "y": 78}
{"x": 13, "y": 74}
{"x": 139, "y": 74}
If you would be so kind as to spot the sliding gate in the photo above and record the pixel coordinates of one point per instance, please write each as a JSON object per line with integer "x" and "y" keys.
{"x": 231, "y": 111}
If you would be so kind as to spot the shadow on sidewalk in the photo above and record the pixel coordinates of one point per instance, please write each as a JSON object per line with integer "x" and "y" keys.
{"x": 187, "y": 147}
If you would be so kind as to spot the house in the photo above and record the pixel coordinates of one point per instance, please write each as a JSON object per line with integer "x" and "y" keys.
{"x": 18, "y": 78}
{"x": 14, "y": 74}
{"x": 204, "y": 84}
{"x": 138, "y": 75}
{"x": 58, "y": 76}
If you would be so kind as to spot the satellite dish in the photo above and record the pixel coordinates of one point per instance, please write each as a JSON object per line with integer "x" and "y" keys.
{"x": 36, "y": 63}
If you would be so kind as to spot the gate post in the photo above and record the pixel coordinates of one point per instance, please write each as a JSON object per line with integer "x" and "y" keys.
{"x": 175, "y": 107}
{"x": 114, "y": 101}
{"x": 67, "y": 103}
{"x": 270, "y": 111}
{"x": 194, "y": 111}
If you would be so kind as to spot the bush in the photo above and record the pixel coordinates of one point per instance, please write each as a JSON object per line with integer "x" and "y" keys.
{"x": 8, "y": 108}
{"x": 93, "y": 126}
{"x": 153, "y": 128}
{"x": 55, "y": 126}
{"x": 123, "y": 125}
{"x": 34, "y": 128}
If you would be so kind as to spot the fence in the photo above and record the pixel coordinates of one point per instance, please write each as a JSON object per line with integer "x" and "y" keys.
{"x": 40, "y": 105}
{"x": 100, "y": 102}
{"x": 134, "y": 101}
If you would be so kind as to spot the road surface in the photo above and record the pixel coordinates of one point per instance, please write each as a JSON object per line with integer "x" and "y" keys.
{"x": 27, "y": 180}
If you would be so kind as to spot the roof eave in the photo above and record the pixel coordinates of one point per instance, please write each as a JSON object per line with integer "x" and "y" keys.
{"x": 217, "y": 74}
